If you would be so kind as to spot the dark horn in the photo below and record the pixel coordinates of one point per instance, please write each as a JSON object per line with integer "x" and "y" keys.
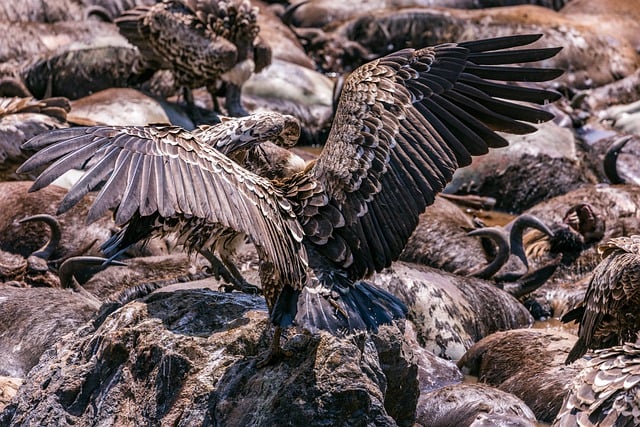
{"x": 499, "y": 236}
{"x": 289, "y": 11}
{"x": 611, "y": 159}
{"x": 533, "y": 280}
{"x": 100, "y": 12}
{"x": 47, "y": 250}
{"x": 516, "y": 230}
{"x": 71, "y": 266}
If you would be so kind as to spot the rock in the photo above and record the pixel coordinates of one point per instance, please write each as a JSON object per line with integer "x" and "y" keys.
{"x": 8, "y": 389}
{"x": 188, "y": 358}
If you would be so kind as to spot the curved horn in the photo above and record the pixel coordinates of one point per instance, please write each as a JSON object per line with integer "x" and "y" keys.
{"x": 611, "y": 158}
{"x": 516, "y": 230}
{"x": 289, "y": 11}
{"x": 70, "y": 266}
{"x": 47, "y": 250}
{"x": 100, "y": 12}
{"x": 499, "y": 236}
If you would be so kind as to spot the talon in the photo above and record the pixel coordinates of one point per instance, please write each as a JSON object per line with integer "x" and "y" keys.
{"x": 276, "y": 352}
{"x": 244, "y": 287}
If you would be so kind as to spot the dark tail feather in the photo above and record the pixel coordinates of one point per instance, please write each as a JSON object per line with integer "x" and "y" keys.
{"x": 285, "y": 308}
{"x": 361, "y": 306}
{"x": 578, "y": 350}
{"x": 574, "y": 315}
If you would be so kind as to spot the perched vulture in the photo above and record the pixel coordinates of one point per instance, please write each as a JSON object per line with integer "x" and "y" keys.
{"x": 201, "y": 42}
{"x": 609, "y": 314}
{"x": 403, "y": 124}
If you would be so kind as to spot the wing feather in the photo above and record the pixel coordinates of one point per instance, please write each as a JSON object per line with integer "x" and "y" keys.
{"x": 403, "y": 124}
{"x": 207, "y": 189}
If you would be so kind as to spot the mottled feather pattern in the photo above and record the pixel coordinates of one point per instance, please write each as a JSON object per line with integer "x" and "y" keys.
{"x": 610, "y": 307}
{"x": 607, "y": 390}
{"x": 171, "y": 35}
{"x": 167, "y": 169}
{"x": 403, "y": 124}
{"x": 240, "y": 133}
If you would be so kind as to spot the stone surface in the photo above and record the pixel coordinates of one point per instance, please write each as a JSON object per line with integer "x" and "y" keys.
{"x": 188, "y": 357}
{"x": 8, "y": 389}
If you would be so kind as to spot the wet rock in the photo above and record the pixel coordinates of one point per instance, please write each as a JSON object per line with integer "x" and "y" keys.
{"x": 528, "y": 363}
{"x": 464, "y": 405}
{"x": 451, "y": 312}
{"x": 188, "y": 358}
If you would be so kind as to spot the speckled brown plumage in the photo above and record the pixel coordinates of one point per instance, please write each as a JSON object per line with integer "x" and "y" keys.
{"x": 609, "y": 314}
{"x": 606, "y": 392}
{"x": 403, "y": 124}
{"x": 197, "y": 40}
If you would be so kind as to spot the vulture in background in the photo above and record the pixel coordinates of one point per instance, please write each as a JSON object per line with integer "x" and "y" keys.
{"x": 201, "y": 42}
{"x": 404, "y": 123}
{"x": 609, "y": 314}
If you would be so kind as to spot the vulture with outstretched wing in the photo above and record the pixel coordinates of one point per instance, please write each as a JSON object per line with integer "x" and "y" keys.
{"x": 403, "y": 124}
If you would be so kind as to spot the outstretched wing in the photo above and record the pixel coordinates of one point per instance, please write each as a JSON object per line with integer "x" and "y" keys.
{"x": 404, "y": 123}
{"x": 166, "y": 171}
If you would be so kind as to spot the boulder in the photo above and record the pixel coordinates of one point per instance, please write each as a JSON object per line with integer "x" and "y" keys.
{"x": 188, "y": 357}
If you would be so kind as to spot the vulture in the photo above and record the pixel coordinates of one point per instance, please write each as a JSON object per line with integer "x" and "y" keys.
{"x": 609, "y": 314}
{"x": 201, "y": 42}
{"x": 403, "y": 124}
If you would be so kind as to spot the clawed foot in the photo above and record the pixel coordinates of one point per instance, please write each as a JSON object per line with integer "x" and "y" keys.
{"x": 276, "y": 352}
{"x": 242, "y": 286}
{"x": 235, "y": 281}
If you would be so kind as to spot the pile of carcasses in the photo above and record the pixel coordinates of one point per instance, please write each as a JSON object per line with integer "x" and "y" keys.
{"x": 514, "y": 301}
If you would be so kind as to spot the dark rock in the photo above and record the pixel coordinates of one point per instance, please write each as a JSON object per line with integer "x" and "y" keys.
{"x": 188, "y": 358}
